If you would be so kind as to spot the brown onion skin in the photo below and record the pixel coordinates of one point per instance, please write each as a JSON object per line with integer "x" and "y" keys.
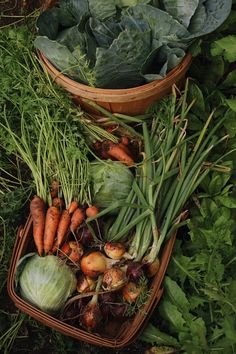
{"x": 91, "y": 317}
{"x": 85, "y": 284}
{"x": 131, "y": 292}
{"x": 93, "y": 264}
{"x": 114, "y": 250}
{"x": 113, "y": 278}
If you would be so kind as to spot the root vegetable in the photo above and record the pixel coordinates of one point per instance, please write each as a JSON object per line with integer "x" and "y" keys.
{"x": 131, "y": 292}
{"x": 73, "y": 206}
{"x": 134, "y": 271}
{"x": 51, "y": 224}
{"x": 37, "y": 209}
{"x": 95, "y": 263}
{"x": 73, "y": 250}
{"x": 63, "y": 227}
{"x": 85, "y": 284}
{"x": 113, "y": 278}
{"x": 76, "y": 219}
{"x": 92, "y": 315}
{"x": 91, "y": 211}
{"x": 116, "y": 250}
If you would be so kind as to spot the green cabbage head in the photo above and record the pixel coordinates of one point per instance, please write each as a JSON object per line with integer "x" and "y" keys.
{"x": 46, "y": 282}
{"x": 111, "y": 182}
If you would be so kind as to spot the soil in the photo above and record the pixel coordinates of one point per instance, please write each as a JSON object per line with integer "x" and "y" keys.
{"x": 14, "y": 11}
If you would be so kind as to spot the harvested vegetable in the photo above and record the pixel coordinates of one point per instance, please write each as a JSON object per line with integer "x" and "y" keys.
{"x": 111, "y": 182}
{"x": 51, "y": 225}
{"x": 91, "y": 316}
{"x": 156, "y": 33}
{"x": 76, "y": 219}
{"x": 91, "y": 211}
{"x": 113, "y": 279}
{"x": 95, "y": 263}
{"x": 46, "y": 283}
{"x": 116, "y": 250}
{"x": 63, "y": 227}
{"x": 37, "y": 210}
{"x": 72, "y": 250}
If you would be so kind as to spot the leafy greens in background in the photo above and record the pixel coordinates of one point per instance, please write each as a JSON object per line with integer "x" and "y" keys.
{"x": 124, "y": 43}
{"x": 197, "y": 313}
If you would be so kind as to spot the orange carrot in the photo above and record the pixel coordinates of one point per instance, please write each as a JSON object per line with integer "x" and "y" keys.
{"x": 116, "y": 151}
{"x": 124, "y": 140}
{"x": 91, "y": 211}
{"x": 37, "y": 209}
{"x": 73, "y": 206}
{"x": 63, "y": 226}
{"x": 51, "y": 224}
{"x": 54, "y": 188}
{"x": 76, "y": 219}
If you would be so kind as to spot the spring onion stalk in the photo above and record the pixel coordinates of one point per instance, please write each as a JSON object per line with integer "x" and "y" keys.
{"x": 113, "y": 118}
{"x": 172, "y": 168}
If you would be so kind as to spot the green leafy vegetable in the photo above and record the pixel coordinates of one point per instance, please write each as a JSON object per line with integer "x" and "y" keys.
{"x": 46, "y": 282}
{"x": 123, "y": 44}
{"x": 111, "y": 182}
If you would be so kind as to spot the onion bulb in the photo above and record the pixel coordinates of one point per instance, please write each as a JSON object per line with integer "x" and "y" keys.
{"x": 131, "y": 292}
{"x": 134, "y": 271}
{"x": 151, "y": 268}
{"x": 113, "y": 278}
{"x": 116, "y": 250}
{"x": 85, "y": 283}
{"x": 91, "y": 317}
{"x": 95, "y": 263}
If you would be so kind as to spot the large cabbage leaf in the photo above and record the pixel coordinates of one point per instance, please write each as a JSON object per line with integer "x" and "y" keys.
{"x": 105, "y": 32}
{"x": 124, "y": 43}
{"x": 72, "y": 64}
{"x": 182, "y": 10}
{"x": 102, "y": 9}
{"x": 73, "y": 12}
{"x": 120, "y": 64}
{"x": 209, "y": 16}
{"x": 164, "y": 27}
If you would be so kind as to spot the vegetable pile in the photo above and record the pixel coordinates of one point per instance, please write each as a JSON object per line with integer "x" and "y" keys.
{"x": 197, "y": 311}
{"x": 91, "y": 215}
{"x": 124, "y": 43}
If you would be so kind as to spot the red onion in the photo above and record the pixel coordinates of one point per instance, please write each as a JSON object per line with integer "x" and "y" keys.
{"x": 85, "y": 236}
{"x": 134, "y": 271}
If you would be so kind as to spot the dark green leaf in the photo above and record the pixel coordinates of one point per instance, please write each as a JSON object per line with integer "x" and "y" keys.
{"x": 102, "y": 9}
{"x": 153, "y": 335}
{"x": 225, "y": 47}
{"x": 172, "y": 314}
{"x": 181, "y": 10}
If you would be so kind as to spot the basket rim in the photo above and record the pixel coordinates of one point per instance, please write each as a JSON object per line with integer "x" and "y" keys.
{"x": 126, "y": 92}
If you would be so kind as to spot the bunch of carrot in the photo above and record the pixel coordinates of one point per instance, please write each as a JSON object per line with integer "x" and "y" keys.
{"x": 51, "y": 226}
